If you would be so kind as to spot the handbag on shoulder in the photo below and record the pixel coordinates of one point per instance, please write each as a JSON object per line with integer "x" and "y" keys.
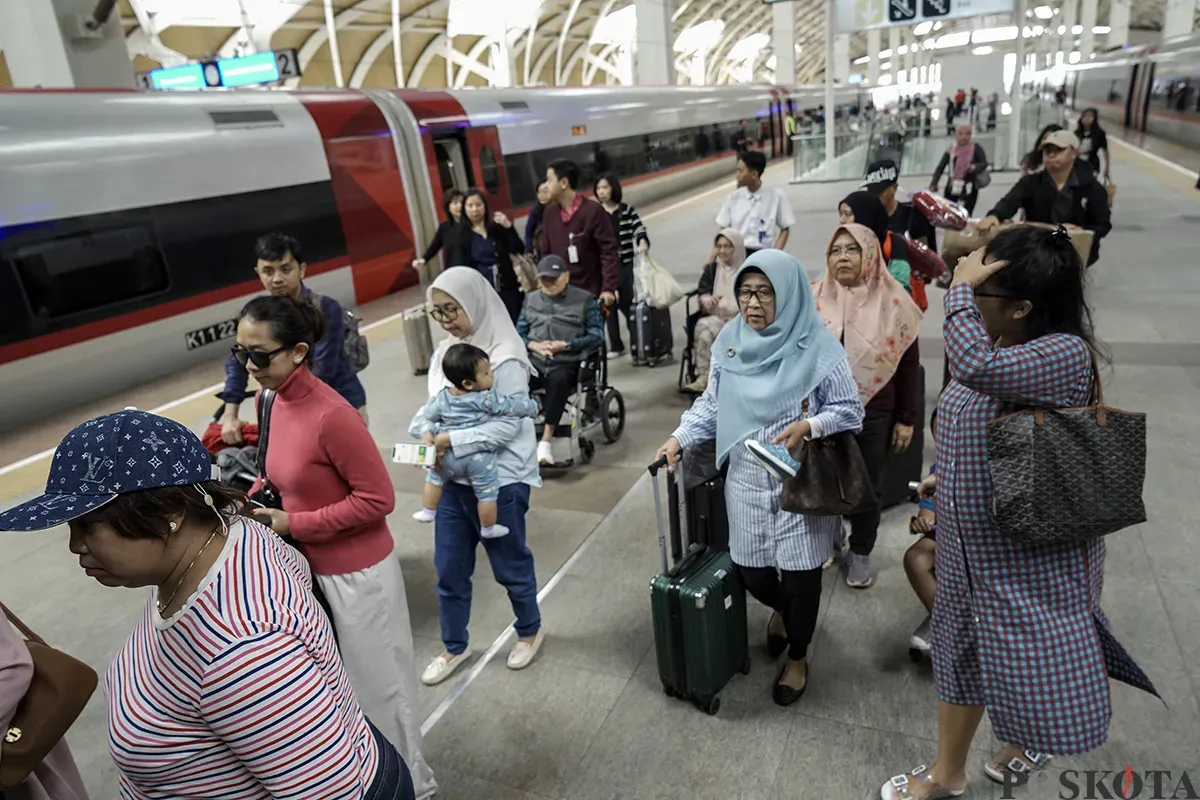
{"x": 61, "y": 687}
{"x": 1067, "y": 475}
{"x": 832, "y": 480}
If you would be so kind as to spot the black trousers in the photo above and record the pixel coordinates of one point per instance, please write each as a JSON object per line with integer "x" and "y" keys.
{"x": 513, "y": 299}
{"x": 559, "y": 381}
{"x": 875, "y": 442}
{"x": 968, "y": 201}
{"x": 625, "y": 307}
{"x": 795, "y": 595}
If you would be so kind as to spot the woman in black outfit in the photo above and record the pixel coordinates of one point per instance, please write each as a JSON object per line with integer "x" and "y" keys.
{"x": 447, "y": 233}
{"x": 488, "y": 242}
{"x": 1092, "y": 140}
{"x": 631, "y": 235}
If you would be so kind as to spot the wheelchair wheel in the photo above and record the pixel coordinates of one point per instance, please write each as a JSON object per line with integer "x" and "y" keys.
{"x": 587, "y": 450}
{"x": 612, "y": 415}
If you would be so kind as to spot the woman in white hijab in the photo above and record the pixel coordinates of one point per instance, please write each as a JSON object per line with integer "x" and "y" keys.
{"x": 468, "y": 308}
{"x": 717, "y": 302}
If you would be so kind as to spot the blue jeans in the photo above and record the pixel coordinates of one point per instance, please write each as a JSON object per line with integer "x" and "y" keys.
{"x": 392, "y": 779}
{"x": 455, "y": 537}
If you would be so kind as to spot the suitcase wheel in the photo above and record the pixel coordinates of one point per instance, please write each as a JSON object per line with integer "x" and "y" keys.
{"x": 916, "y": 655}
{"x": 668, "y": 691}
{"x": 746, "y": 666}
{"x": 712, "y": 706}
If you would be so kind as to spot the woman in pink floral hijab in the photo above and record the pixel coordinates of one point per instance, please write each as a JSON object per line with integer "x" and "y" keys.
{"x": 876, "y": 320}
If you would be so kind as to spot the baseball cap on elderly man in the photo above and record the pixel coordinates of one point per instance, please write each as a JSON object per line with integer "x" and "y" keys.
{"x": 551, "y": 267}
{"x": 108, "y": 456}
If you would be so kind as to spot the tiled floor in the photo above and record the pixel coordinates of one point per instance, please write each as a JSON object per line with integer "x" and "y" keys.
{"x": 588, "y": 721}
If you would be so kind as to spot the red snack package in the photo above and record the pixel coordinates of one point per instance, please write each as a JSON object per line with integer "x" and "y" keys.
{"x": 940, "y": 211}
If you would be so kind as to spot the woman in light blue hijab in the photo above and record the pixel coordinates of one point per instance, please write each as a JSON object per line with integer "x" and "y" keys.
{"x": 777, "y": 377}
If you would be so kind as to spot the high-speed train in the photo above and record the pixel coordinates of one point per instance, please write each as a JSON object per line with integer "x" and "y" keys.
{"x": 1150, "y": 88}
{"x": 128, "y": 219}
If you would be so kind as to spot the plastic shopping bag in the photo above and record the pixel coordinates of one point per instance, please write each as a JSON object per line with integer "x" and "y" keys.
{"x": 940, "y": 212}
{"x": 654, "y": 284}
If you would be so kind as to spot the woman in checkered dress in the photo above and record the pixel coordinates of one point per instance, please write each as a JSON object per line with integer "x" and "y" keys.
{"x": 1017, "y": 630}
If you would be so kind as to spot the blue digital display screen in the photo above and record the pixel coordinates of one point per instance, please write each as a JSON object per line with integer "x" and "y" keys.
{"x": 189, "y": 76}
{"x": 249, "y": 70}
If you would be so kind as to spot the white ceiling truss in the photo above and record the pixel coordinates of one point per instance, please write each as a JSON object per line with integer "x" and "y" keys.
{"x": 558, "y": 49}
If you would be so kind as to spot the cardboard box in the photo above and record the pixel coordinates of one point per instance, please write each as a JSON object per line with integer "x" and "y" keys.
{"x": 957, "y": 245}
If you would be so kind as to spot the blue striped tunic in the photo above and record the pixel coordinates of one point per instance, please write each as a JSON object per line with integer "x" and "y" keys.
{"x": 760, "y": 533}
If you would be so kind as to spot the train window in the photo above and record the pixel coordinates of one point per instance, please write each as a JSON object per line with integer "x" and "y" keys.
{"x": 67, "y": 275}
{"x": 490, "y": 170}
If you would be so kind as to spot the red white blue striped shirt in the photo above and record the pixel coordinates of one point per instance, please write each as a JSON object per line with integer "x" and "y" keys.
{"x": 242, "y": 693}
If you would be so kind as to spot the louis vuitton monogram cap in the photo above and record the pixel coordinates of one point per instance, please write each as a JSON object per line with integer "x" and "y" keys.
{"x": 110, "y": 455}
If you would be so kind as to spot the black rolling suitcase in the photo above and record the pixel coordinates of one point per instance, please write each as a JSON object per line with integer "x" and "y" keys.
{"x": 696, "y": 496}
{"x": 651, "y": 339}
{"x": 904, "y": 468}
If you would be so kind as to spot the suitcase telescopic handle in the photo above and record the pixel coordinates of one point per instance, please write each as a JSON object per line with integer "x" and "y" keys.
{"x": 656, "y": 466}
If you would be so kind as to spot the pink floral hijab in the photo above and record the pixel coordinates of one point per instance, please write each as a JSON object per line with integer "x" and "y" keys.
{"x": 876, "y": 320}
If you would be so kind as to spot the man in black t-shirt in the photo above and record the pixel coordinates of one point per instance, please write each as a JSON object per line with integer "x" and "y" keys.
{"x": 881, "y": 181}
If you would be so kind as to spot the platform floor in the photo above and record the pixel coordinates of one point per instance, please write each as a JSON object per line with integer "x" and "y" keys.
{"x": 588, "y": 721}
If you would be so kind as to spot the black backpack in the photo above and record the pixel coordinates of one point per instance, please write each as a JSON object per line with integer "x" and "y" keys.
{"x": 354, "y": 343}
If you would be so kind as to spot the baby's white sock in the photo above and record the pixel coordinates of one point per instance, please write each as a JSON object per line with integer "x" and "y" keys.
{"x": 493, "y": 531}
{"x": 425, "y": 515}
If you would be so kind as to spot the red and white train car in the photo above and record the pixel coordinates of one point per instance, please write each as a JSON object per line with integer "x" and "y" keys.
{"x": 127, "y": 219}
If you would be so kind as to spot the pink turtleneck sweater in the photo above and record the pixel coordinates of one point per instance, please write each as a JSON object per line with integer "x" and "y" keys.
{"x": 336, "y": 490}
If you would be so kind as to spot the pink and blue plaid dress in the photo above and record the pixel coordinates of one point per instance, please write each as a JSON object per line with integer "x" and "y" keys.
{"x": 1017, "y": 629}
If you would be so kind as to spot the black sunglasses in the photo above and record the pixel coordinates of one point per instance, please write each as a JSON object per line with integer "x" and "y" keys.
{"x": 261, "y": 359}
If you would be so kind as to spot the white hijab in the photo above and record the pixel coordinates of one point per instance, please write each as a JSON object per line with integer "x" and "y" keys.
{"x": 491, "y": 329}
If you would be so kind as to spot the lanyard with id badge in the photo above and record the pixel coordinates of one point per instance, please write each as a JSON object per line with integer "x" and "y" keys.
{"x": 572, "y": 250}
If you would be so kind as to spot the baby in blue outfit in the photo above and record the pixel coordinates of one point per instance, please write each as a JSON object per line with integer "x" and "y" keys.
{"x": 469, "y": 401}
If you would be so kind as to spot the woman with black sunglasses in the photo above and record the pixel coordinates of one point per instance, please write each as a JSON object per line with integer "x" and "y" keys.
{"x": 336, "y": 496}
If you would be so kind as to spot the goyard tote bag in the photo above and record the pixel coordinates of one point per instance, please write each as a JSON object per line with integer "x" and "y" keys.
{"x": 1067, "y": 475}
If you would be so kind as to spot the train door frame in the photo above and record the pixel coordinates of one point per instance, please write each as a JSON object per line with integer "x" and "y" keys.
{"x": 483, "y": 145}
{"x": 458, "y": 159}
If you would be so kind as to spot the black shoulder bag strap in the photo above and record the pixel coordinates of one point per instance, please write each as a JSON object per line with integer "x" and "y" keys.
{"x": 266, "y": 399}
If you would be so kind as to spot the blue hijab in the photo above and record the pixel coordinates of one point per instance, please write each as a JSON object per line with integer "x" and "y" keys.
{"x": 763, "y": 373}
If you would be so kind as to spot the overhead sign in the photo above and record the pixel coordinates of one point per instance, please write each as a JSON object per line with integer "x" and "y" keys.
{"x": 858, "y": 15}
{"x": 269, "y": 66}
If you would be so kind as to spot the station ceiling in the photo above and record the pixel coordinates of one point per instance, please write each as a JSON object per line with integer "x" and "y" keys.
{"x": 559, "y": 42}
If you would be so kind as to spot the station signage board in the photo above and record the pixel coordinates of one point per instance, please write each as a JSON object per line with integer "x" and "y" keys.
{"x": 858, "y": 15}
{"x": 269, "y": 66}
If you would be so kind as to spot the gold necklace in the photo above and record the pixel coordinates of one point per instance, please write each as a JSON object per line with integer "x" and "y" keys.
{"x": 162, "y": 605}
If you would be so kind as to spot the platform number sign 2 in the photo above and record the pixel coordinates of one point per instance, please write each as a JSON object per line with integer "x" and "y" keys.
{"x": 935, "y": 8}
{"x": 213, "y": 333}
{"x": 288, "y": 62}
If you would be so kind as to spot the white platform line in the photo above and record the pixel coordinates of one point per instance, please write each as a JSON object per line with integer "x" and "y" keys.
{"x": 1166, "y": 162}
{"x": 216, "y": 387}
{"x": 477, "y": 669}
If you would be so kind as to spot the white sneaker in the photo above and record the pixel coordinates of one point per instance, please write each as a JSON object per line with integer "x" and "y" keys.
{"x": 545, "y": 453}
{"x": 425, "y": 515}
{"x": 523, "y": 653}
{"x": 440, "y": 668}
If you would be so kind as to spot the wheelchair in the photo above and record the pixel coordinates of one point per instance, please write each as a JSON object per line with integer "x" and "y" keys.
{"x": 687, "y": 361}
{"x": 593, "y": 406}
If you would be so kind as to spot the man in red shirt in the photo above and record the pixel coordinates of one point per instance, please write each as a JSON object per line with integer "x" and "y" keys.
{"x": 580, "y": 232}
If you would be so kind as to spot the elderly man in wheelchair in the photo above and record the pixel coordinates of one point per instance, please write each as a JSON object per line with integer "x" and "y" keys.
{"x": 563, "y": 328}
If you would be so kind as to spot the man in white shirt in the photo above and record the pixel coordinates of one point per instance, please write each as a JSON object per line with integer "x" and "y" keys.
{"x": 762, "y": 213}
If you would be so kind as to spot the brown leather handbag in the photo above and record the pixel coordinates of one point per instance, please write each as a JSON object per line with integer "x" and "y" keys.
{"x": 60, "y": 688}
{"x": 832, "y": 480}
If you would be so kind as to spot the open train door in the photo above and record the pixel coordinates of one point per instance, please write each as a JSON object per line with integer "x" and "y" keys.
{"x": 487, "y": 166}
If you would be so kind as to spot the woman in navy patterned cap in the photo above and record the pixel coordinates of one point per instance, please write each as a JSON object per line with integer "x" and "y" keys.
{"x": 230, "y": 685}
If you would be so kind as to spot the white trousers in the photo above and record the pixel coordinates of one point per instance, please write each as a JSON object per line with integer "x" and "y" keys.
{"x": 370, "y": 612}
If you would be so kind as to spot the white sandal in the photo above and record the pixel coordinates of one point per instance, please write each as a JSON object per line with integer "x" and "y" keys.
{"x": 898, "y": 787}
{"x": 1022, "y": 766}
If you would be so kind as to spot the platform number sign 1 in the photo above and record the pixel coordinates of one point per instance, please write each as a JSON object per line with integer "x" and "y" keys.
{"x": 901, "y": 10}
{"x": 213, "y": 333}
{"x": 288, "y": 62}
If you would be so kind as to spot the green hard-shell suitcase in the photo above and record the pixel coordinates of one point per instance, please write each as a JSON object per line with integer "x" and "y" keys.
{"x": 699, "y": 612}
